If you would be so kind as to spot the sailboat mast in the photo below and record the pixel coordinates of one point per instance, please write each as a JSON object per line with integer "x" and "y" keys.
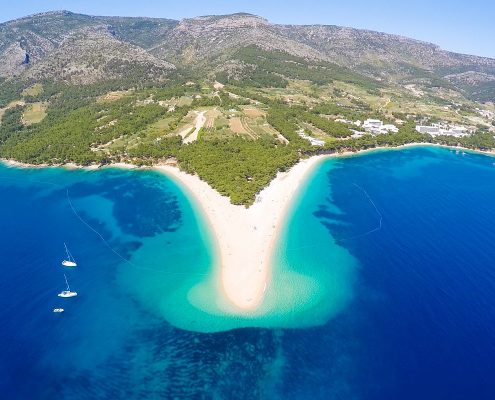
{"x": 67, "y": 251}
{"x": 68, "y": 287}
{"x": 69, "y": 256}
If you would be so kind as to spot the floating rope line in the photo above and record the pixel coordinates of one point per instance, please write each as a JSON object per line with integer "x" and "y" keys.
{"x": 95, "y": 231}
{"x": 100, "y": 236}
{"x": 115, "y": 251}
{"x": 380, "y": 217}
{"x": 120, "y": 256}
{"x": 376, "y": 229}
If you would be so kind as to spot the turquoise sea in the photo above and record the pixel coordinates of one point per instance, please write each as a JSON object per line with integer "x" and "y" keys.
{"x": 391, "y": 253}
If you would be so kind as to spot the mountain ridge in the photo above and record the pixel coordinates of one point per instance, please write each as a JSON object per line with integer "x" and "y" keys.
{"x": 208, "y": 44}
{"x": 64, "y": 12}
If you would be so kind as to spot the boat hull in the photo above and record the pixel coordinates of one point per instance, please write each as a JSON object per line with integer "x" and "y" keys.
{"x": 66, "y": 263}
{"x": 66, "y": 295}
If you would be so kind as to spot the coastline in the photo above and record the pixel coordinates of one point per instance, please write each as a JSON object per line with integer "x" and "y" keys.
{"x": 409, "y": 145}
{"x": 123, "y": 165}
{"x": 245, "y": 237}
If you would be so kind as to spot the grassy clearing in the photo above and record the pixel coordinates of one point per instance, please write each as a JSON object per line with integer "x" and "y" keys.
{"x": 184, "y": 101}
{"x": 113, "y": 96}
{"x": 159, "y": 127}
{"x": 211, "y": 118}
{"x": 34, "y": 90}
{"x": 188, "y": 120}
{"x": 252, "y": 112}
{"x": 34, "y": 113}
{"x": 254, "y": 122}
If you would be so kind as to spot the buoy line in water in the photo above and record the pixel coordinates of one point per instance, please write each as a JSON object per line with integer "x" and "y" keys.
{"x": 376, "y": 229}
{"x": 119, "y": 255}
{"x": 380, "y": 217}
{"x": 100, "y": 236}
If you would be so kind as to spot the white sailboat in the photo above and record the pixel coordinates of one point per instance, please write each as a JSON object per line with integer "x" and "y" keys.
{"x": 69, "y": 262}
{"x": 58, "y": 310}
{"x": 67, "y": 293}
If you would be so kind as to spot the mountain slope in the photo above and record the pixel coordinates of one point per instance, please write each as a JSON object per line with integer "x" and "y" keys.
{"x": 67, "y": 47}
{"x": 207, "y": 38}
{"x": 211, "y": 44}
{"x": 93, "y": 54}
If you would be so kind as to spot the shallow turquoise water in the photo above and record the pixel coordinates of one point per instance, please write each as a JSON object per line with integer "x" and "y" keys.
{"x": 187, "y": 294}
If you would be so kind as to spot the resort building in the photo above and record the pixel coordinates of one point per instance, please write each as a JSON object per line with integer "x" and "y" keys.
{"x": 349, "y": 122}
{"x": 443, "y": 130}
{"x": 377, "y": 127}
{"x": 357, "y": 134}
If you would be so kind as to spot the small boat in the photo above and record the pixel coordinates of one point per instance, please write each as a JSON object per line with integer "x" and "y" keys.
{"x": 67, "y": 293}
{"x": 69, "y": 262}
{"x": 58, "y": 310}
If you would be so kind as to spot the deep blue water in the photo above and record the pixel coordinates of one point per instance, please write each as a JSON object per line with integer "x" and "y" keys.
{"x": 420, "y": 325}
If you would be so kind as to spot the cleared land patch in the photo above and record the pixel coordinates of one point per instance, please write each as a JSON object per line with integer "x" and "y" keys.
{"x": 186, "y": 124}
{"x": 236, "y": 126}
{"x": 34, "y": 113}
{"x": 211, "y": 117}
{"x": 34, "y": 90}
{"x": 200, "y": 121}
{"x": 184, "y": 101}
{"x": 252, "y": 112}
{"x": 113, "y": 96}
{"x": 254, "y": 122}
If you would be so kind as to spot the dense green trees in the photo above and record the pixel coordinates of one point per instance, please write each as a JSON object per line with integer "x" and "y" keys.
{"x": 271, "y": 67}
{"x": 480, "y": 141}
{"x": 253, "y": 77}
{"x": 330, "y": 127}
{"x": 283, "y": 121}
{"x": 237, "y": 168}
{"x": 11, "y": 123}
{"x": 79, "y": 128}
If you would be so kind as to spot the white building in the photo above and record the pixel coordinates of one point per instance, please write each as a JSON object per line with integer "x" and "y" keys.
{"x": 432, "y": 130}
{"x": 377, "y": 127}
{"x": 390, "y": 128}
{"x": 349, "y": 122}
{"x": 372, "y": 124}
{"x": 443, "y": 130}
{"x": 312, "y": 140}
{"x": 357, "y": 134}
{"x": 486, "y": 113}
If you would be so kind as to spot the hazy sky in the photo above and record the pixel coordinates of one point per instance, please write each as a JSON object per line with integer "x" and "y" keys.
{"x": 459, "y": 25}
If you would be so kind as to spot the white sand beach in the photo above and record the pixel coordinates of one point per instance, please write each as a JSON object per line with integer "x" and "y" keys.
{"x": 245, "y": 237}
